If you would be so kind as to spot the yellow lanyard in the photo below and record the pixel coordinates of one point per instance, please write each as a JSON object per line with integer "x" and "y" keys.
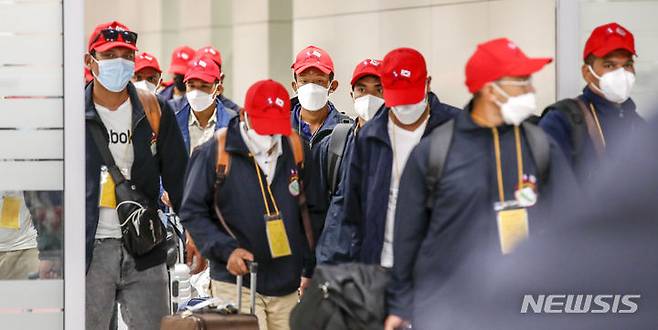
{"x": 262, "y": 190}
{"x": 519, "y": 161}
{"x": 598, "y": 124}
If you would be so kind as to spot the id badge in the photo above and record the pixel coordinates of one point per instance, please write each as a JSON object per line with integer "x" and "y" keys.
{"x": 512, "y": 228}
{"x": 11, "y": 207}
{"x": 108, "y": 194}
{"x": 277, "y": 237}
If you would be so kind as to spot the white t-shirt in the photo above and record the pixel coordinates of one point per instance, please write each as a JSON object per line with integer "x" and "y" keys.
{"x": 119, "y": 128}
{"x": 402, "y": 142}
{"x": 198, "y": 135}
{"x": 25, "y": 237}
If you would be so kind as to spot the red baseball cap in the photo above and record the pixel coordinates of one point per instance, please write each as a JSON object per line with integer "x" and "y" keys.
{"x": 146, "y": 60}
{"x": 313, "y": 57}
{"x": 498, "y": 58}
{"x": 607, "y": 38}
{"x": 404, "y": 77}
{"x": 204, "y": 69}
{"x": 118, "y": 35}
{"x": 367, "y": 67}
{"x": 210, "y": 52}
{"x": 267, "y": 105}
{"x": 180, "y": 59}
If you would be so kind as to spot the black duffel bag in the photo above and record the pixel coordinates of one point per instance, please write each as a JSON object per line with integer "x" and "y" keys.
{"x": 345, "y": 296}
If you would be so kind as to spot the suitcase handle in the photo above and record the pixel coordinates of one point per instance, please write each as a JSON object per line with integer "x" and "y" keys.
{"x": 253, "y": 269}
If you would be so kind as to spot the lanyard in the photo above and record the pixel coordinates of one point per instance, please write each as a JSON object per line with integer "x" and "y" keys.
{"x": 262, "y": 190}
{"x": 598, "y": 124}
{"x": 519, "y": 160}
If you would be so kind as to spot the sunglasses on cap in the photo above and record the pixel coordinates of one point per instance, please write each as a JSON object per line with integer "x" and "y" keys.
{"x": 128, "y": 37}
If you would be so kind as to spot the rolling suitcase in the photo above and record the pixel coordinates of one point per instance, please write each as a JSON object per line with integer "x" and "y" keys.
{"x": 227, "y": 317}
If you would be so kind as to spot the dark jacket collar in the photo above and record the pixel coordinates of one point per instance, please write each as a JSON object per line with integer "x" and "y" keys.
{"x": 606, "y": 107}
{"x": 234, "y": 142}
{"x": 136, "y": 104}
{"x": 464, "y": 121}
{"x": 379, "y": 124}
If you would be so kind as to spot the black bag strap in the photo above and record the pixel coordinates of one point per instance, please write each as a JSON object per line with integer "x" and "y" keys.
{"x": 440, "y": 140}
{"x": 540, "y": 148}
{"x": 574, "y": 114}
{"x": 101, "y": 141}
{"x": 337, "y": 142}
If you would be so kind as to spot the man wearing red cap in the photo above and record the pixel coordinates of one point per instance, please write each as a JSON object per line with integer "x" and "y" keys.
{"x": 473, "y": 181}
{"x": 367, "y": 93}
{"x": 217, "y": 57}
{"x": 201, "y": 113}
{"x": 594, "y": 122}
{"x": 146, "y": 146}
{"x": 148, "y": 75}
{"x": 255, "y": 165}
{"x": 381, "y": 150}
{"x": 180, "y": 59}
{"x": 313, "y": 115}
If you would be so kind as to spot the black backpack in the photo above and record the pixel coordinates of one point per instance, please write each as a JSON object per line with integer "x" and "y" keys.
{"x": 441, "y": 139}
{"x": 345, "y": 296}
{"x": 582, "y": 128}
{"x": 337, "y": 142}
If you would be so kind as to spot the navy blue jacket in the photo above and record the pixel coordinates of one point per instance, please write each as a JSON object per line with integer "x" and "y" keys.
{"x": 222, "y": 115}
{"x": 228, "y": 103}
{"x": 429, "y": 245}
{"x": 617, "y": 121}
{"x": 369, "y": 180}
{"x": 241, "y": 204}
{"x": 169, "y": 162}
{"x": 333, "y": 245}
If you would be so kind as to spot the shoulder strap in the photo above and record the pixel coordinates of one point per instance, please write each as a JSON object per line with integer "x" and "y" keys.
{"x": 101, "y": 141}
{"x": 298, "y": 153}
{"x": 223, "y": 157}
{"x": 539, "y": 148}
{"x": 440, "y": 140}
{"x": 297, "y": 149}
{"x": 592, "y": 129}
{"x": 221, "y": 169}
{"x": 337, "y": 142}
{"x": 151, "y": 109}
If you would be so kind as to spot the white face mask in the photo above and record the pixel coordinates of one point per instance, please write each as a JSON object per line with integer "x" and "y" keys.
{"x": 366, "y": 106}
{"x": 517, "y": 108}
{"x": 199, "y": 100}
{"x": 312, "y": 97}
{"x": 145, "y": 85}
{"x": 616, "y": 85}
{"x": 259, "y": 143}
{"x": 408, "y": 114}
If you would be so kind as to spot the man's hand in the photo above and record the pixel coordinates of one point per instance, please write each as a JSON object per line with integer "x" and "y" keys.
{"x": 165, "y": 199}
{"x": 50, "y": 269}
{"x": 236, "y": 265}
{"x": 193, "y": 257}
{"x": 304, "y": 283}
{"x": 394, "y": 322}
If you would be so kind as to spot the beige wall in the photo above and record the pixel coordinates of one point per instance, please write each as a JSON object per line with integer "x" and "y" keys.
{"x": 259, "y": 38}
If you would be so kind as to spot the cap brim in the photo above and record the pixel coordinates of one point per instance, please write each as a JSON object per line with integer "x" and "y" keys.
{"x": 393, "y": 97}
{"x": 178, "y": 69}
{"x": 603, "y": 51}
{"x": 114, "y": 44}
{"x": 313, "y": 65}
{"x": 361, "y": 75}
{"x": 270, "y": 125}
{"x": 200, "y": 75}
{"x": 528, "y": 67}
{"x": 137, "y": 69}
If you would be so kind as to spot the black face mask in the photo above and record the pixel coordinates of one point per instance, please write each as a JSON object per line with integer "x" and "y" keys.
{"x": 178, "y": 82}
